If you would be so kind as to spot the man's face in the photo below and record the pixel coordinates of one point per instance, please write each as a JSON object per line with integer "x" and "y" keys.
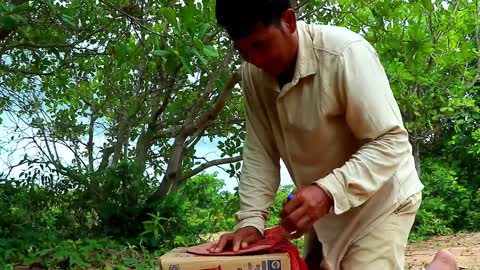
{"x": 268, "y": 48}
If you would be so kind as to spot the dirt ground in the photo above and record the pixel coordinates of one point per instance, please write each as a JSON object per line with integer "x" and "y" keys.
{"x": 465, "y": 247}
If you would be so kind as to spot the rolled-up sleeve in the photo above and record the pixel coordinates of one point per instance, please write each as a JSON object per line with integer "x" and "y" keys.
{"x": 374, "y": 118}
{"x": 260, "y": 174}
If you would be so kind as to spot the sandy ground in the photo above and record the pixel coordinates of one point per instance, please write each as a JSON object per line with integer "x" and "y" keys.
{"x": 465, "y": 247}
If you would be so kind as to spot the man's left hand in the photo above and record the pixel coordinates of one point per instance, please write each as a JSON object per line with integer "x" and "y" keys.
{"x": 308, "y": 205}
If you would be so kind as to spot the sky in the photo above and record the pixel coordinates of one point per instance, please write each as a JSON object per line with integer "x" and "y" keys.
{"x": 208, "y": 149}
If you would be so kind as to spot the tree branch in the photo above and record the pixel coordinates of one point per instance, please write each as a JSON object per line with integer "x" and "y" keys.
{"x": 209, "y": 87}
{"x": 211, "y": 36}
{"x": 136, "y": 20}
{"x": 10, "y": 168}
{"x": 196, "y": 137}
{"x": 163, "y": 107}
{"x": 207, "y": 165}
{"x": 27, "y": 72}
{"x": 107, "y": 152}
{"x": 39, "y": 46}
{"x": 91, "y": 127}
{"x": 212, "y": 113}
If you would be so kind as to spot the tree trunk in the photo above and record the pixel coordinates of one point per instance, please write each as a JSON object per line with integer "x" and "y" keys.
{"x": 173, "y": 167}
{"x": 121, "y": 134}
{"x": 91, "y": 127}
{"x": 141, "y": 150}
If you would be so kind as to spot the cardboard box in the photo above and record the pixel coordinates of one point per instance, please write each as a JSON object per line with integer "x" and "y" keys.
{"x": 179, "y": 259}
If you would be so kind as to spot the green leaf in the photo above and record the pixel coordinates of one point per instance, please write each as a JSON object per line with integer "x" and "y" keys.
{"x": 171, "y": 64}
{"x": 204, "y": 30}
{"x": 121, "y": 50}
{"x": 8, "y": 8}
{"x": 75, "y": 259}
{"x": 50, "y": 4}
{"x": 210, "y": 51}
{"x": 187, "y": 16}
{"x": 68, "y": 19}
{"x": 200, "y": 57}
{"x": 169, "y": 14}
{"x": 7, "y": 22}
{"x": 61, "y": 254}
{"x": 198, "y": 44}
{"x": 427, "y": 4}
{"x": 130, "y": 261}
{"x": 161, "y": 53}
{"x": 185, "y": 57}
{"x": 156, "y": 42}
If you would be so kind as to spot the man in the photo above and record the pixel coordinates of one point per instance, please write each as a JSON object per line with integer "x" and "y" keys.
{"x": 318, "y": 97}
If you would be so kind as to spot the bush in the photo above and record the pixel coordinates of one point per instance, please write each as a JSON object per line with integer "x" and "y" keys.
{"x": 447, "y": 205}
{"x": 56, "y": 224}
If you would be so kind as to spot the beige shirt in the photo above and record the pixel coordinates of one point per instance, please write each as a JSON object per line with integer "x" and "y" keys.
{"x": 336, "y": 124}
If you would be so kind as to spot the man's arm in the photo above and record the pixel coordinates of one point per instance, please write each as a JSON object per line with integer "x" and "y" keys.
{"x": 260, "y": 175}
{"x": 374, "y": 117}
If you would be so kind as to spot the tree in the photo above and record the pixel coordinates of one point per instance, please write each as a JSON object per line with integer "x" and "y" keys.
{"x": 149, "y": 79}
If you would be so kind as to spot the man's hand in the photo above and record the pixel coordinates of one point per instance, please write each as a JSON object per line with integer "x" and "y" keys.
{"x": 309, "y": 205}
{"x": 241, "y": 238}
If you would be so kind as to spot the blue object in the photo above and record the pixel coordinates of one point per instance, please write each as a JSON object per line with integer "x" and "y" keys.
{"x": 290, "y": 196}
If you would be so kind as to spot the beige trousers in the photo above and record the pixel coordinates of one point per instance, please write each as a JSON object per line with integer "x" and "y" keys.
{"x": 382, "y": 248}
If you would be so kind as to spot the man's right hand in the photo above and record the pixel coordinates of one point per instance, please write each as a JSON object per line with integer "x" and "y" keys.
{"x": 241, "y": 238}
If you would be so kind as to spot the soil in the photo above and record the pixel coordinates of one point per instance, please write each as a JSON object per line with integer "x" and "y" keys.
{"x": 465, "y": 247}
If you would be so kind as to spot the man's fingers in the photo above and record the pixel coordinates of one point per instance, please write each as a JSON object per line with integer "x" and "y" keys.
{"x": 297, "y": 234}
{"x": 250, "y": 239}
{"x": 291, "y": 222}
{"x": 291, "y": 206}
{"x": 242, "y": 238}
{"x": 244, "y": 245}
{"x": 237, "y": 241}
{"x": 304, "y": 223}
{"x": 298, "y": 214}
{"x": 223, "y": 242}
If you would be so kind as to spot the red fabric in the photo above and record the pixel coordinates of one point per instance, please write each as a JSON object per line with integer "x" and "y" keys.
{"x": 275, "y": 241}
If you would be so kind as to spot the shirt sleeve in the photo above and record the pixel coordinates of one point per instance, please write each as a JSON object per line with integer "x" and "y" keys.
{"x": 374, "y": 118}
{"x": 260, "y": 174}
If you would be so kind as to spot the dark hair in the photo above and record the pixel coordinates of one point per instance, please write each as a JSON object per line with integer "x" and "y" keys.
{"x": 239, "y": 17}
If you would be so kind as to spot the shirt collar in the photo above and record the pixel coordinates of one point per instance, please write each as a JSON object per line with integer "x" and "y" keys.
{"x": 306, "y": 63}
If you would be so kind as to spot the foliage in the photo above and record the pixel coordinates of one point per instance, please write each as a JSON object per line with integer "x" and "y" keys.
{"x": 41, "y": 226}
{"x": 448, "y": 206}
{"x": 274, "y": 217}
{"x": 113, "y": 82}
{"x": 82, "y": 254}
{"x": 199, "y": 208}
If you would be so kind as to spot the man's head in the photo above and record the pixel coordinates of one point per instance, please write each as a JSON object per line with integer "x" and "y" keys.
{"x": 263, "y": 31}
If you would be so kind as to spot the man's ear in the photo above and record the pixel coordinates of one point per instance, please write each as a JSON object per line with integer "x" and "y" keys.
{"x": 289, "y": 21}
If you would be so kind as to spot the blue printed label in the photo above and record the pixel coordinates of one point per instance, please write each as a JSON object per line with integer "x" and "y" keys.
{"x": 274, "y": 265}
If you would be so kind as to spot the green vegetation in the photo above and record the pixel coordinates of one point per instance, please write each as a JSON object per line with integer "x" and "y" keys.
{"x": 105, "y": 106}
